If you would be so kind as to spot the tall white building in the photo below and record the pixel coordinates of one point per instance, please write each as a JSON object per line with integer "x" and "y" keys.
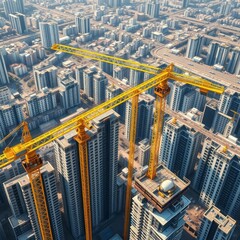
{"x": 136, "y": 77}
{"x": 103, "y": 155}
{"x": 144, "y": 152}
{"x": 217, "y": 164}
{"x": 19, "y": 190}
{"x": 49, "y": 33}
{"x": 10, "y": 116}
{"x": 111, "y": 92}
{"x": 67, "y": 161}
{"x": 179, "y": 147}
{"x": 69, "y": 93}
{"x": 12, "y": 6}
{"x": 41, "y": 102}
{"x": 218, "y": 178}
{"x": 88, "y": 80}
{"x": 212, "y": 53}
{"x": 194, "y": 46}
{"x": 229, "y": 100}
{"x": 8, "y": 172}
{"x": 99, "y": 88}
{"x": 45, "y": 75}
{"x": 79, "y": 75}
{"x": 222, "y": 54}
{"x": 178, "y": 91}
{"x": 18, "y": 22}
{"x": 229, "y": 199}
{"x": 234, "y": 63}
{"x": 159, "y": 208}
{"x": 216, "y": 226}
{"x": 83, "y": 24}
{"x": 4, "y": 79}
{"x": 152, "y": 8}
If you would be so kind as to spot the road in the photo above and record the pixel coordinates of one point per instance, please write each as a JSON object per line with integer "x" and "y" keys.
{"x": 225, "y": 79}
{"x": 221, "y": 40}
{"x": 195, "y": 125}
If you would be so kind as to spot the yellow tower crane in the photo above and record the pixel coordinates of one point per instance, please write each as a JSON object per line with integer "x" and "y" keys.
{"x": 79, "y": 123}
{"x": 32, "y": 164}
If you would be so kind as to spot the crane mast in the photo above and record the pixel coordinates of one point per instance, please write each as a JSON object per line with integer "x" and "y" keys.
{"x": 32, "y": 164}
{"x": 28, "y": 147}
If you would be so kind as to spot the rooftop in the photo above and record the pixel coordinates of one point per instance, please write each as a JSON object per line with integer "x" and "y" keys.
{"x": 17, "y": 221}
{"x": 150, "y": 188}
{"x": 23, "y": 179}
{"x": 225, "y": 223}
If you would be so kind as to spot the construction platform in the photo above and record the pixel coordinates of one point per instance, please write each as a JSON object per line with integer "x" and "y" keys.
{"x": 163, "y": 190}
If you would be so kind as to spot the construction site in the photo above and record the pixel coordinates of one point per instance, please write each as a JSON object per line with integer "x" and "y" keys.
{"x": 158, "y": 185}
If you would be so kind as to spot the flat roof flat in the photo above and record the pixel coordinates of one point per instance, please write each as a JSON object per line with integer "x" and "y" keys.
{"x": 150, "y": 188}
{"x": 225, "y": 223}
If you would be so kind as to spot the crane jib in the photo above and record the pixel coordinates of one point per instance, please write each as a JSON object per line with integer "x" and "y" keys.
{"x": 11, "y": 154}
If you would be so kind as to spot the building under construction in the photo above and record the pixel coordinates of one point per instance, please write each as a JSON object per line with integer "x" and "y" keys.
{"x": 159, "y": 208}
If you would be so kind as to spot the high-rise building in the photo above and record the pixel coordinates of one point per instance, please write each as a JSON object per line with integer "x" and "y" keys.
{"x": 102, "y": 160}
{"x": 67, "y": 161}
{"x": 144, "y": 152}
{"x": 225, "y": 8}
{"x": 200, "y": 100}
{"x": 218, "y": 177}
{"x": 188, "y": 101}
{"x": 220, "y": 122}
{"x": 145, "y": 117}
{"x": 222, "y": 54}
{"x": 45, "y": 75}
{"x": 209, "y": 113}
{"x": 234, "y": 63}
{"x": 194, "y": 46}
{"x": 159, "y": 207}
{"x": 185, "y": 3}
{"x": 20, "y": 197}
{"x": 229, "y": 101}
{"x": 69, "y": 93}
{"x": 4, "y": 79}
{"x": 217, "y": 166}
{"x": 10, "y": 116}
{"x": 18, "y": 22}
{"x": 152, "y": 8}
{"x": 49, "y": 34}
{"x": 106, "y": 67}
{"x": 118, "y": 72}
{"x": 12, "y": 6}
{"x": 179, "y": 147}
{"x": 229, "y": 199}
{"x": 212, "y": 53}
{"x": 115, "y": 3}
{"x": 83, "y": 24}
{"x": 8, "y": 172}
{"x": 41, "y": 102}
{"x": 79, "y": 76}
{"x": 208, "y": 148}
{"x": 136, "y": 77}
{"x": 99, "y": 88}
{"x": 111, "y": 92}
{"x": 178, "y": 91}
{"x": 216, "y": 226}
{"x": 5, "y": 95}
{"x": 88, "y": 80}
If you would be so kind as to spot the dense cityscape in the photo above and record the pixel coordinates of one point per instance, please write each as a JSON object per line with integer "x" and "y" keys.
{"x": 120, "y": 119}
